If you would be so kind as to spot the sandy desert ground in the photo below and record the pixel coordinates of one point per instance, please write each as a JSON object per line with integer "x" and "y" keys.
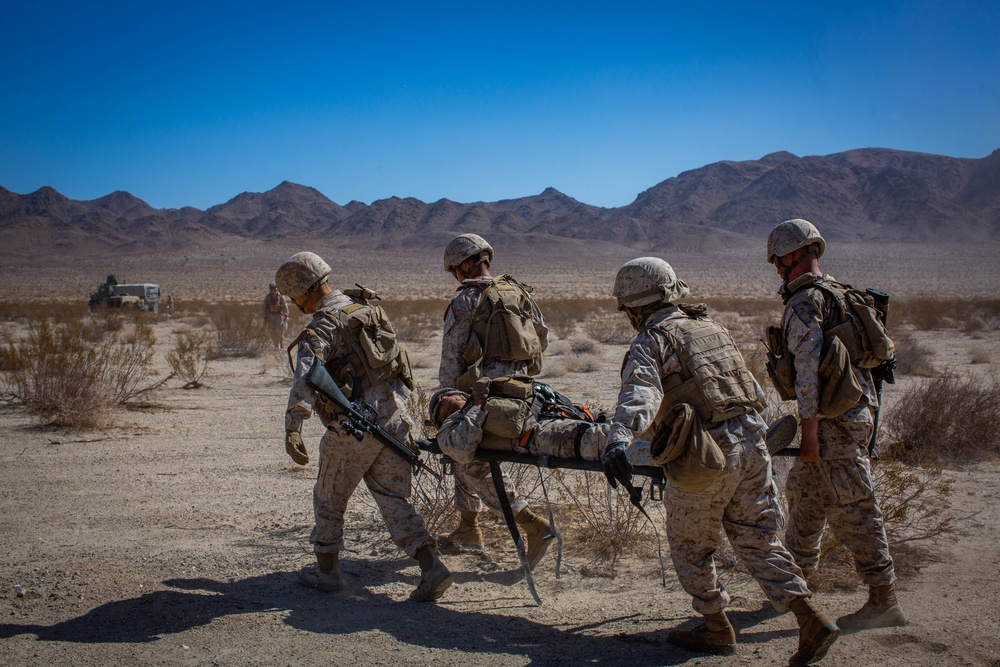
{"x": 174, "y": 537}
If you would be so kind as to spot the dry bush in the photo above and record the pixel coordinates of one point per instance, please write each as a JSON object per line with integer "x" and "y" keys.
{"x": 927, "y": 313}
{"x": 915, "y": 499}
{"x": 239, "y": 332}
{"x": 76, "y": 374}
{"x": 954, "y": 419}
{"x": 34, "y": 311}
{"x": 582, "y": 346}
{"x": 610, "y": 329}
{"x": 189, "y": 358}
{"x": 563, "y": 316}
{"x": 912, "y": 358}
{"x": 600, "y": 522}
{"x": 416, "y": 320}
{"x": 981, "y": 356}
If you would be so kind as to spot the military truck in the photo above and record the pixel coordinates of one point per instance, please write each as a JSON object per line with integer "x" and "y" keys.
{"x": 134, "y": 296}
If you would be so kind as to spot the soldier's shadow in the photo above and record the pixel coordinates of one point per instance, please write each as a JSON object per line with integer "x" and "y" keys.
{"x": 193, "y": 603}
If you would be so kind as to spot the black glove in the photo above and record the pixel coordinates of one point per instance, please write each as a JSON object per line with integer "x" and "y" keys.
{"x": 617, "y": 467}
{"x": 296, "y": 448}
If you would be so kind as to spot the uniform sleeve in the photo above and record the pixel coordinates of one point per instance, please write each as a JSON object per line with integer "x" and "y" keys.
{"x": 804, "y": 337}
{"x": 641, "y": 391}
{"x": 301, "y": 397}
{"x": 284, "y": 305}
{"x": 461, "y": 433}
{"x": 457, "y": 330}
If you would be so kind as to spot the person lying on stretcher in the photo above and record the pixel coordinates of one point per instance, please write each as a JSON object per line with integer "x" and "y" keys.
{"x": 516, "y": 414}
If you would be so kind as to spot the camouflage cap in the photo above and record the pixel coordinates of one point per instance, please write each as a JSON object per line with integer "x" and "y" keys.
{"x": 464, "y": 247}
{"x": 647, "y": 280}
{"x": 791, "y": 235}
{"x": 434, "y": 405}
{"x": 300, "y": 273}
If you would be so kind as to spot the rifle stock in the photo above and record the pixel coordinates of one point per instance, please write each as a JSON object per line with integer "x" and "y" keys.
{"x": 359, "y": 418}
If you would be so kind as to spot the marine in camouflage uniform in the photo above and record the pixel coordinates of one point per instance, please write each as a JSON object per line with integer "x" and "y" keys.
{"x": 343, "y": 460}
{"x": 468, "y": 257}
{"x": 831, "y": 482}
{"x": 740, "y": 498}
{"x": 275, "y": 313}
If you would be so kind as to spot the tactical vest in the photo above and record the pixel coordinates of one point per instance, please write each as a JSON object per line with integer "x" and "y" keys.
{"x": 506, "y": 330}
{"x": 273, "y": 304}
{"x": 374, "y": 354}
{"x": 714, "y": 379}
{"x": 852, "y": 316}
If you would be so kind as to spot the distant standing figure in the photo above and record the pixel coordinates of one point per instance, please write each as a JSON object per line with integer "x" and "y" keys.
{"x": 275, "y": 314}
{"x": 170, "y": 305}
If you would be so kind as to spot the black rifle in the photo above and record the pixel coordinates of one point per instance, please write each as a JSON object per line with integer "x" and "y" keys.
{"x": 360, "y": 418}
{"x": 884, "y": 372}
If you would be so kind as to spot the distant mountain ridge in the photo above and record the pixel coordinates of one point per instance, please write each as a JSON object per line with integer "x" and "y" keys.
{"x": 863, "y": 195}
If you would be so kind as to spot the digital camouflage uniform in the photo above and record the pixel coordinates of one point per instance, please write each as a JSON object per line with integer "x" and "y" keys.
{"x": 838, "y": 488}
{"x": 345, "y": 461}
{"x": 741, "y": 499}
{"x": 473, "y": 480}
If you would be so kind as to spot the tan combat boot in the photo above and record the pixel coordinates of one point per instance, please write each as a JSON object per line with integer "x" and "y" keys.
{"x": 324, "y": 574}
{"x": 435, "y": 577}
{"x": 816, "y": 633}
{"x": 467, "y": 534}
{"x": 539, "y": 537}
{"x": 881, "y": 611}
{"x": 714, "y": 635}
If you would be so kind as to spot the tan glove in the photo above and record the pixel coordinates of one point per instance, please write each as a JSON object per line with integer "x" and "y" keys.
{"x": 480, "y": 390}
{"x": 296, "y": 448}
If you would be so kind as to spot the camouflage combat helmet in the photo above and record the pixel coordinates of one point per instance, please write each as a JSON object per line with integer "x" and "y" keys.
{"x": 647, "y": 280}
{"x": 466, "y": 247}
{"x": 300, "y": 273}
{"x": 434, "y": 405}
{"x": 791, "y": 235}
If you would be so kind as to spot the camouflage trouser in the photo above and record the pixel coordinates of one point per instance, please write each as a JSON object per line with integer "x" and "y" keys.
{"x": 840, "y": 492}
{"x": 474, "y": 487}
{"x": 558, "y": 437}
{"x": 343, "y": 463}
{"x": 742, "y": 500}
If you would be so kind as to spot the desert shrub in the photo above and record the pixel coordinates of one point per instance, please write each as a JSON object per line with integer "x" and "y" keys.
{"x": 33, "y": 311}
{"x": 563, "y": 316}
{"x": 416, "y": 320}
{"x": 914, "y": 498}
{"x": 239, "y": 332}
{"x": 189, "y": 358}
{"x": 980, "y": 356}
{"x": 76, "y": 374}
{"x": 600, "y": 522}
{"x": 582, "y": 346}
{"x": 912, "y": 358}
{"x": 928, "y": 313}
{"x": 954, "y": 419}
{"x": 610, "y": 329}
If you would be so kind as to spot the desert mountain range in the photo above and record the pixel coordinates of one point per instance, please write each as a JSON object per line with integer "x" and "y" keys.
{"x": 864, "y": 195}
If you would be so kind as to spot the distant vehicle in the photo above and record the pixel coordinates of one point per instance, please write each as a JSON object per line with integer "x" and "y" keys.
{"x": 124, "y": 296}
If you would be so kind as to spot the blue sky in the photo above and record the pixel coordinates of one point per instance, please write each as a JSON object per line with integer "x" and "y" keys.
{"x": 193, "y": 103}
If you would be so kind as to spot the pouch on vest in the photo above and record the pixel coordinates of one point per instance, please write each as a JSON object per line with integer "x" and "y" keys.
{"x": 506, "y": 417}
{"x": 690, "y": 457}
{"x": 780, "y": 365}
{"x": 840, "y": 388}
